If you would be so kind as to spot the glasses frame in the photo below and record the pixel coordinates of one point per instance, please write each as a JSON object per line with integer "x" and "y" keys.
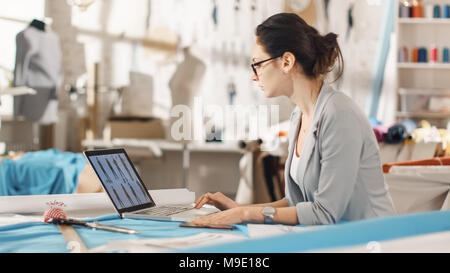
{"x": 254, "y": 65}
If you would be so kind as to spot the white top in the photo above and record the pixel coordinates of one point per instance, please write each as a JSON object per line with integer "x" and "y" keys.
{"x": 294, "y": 164}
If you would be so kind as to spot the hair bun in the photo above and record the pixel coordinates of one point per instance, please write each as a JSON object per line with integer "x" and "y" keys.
{"x": 327, "y": 49}
{"x": 331, "y": 38}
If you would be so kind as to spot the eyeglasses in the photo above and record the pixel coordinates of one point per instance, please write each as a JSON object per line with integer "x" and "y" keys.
{"x": 254, "y": 65}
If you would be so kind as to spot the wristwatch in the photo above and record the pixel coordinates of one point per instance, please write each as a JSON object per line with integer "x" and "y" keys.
{"x": 268, "y": 213}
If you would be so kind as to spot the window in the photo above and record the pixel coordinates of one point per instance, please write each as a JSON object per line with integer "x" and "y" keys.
{"x": 14, "y": 17}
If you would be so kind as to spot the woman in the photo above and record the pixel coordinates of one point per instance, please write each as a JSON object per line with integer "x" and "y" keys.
{"x": 333, "y": 170}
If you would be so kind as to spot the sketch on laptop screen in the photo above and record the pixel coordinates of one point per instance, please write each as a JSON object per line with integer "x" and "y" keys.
{"x": 120, "y": 180}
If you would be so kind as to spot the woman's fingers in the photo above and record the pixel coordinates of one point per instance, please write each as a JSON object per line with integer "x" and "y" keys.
{"x": 218, "y": 199}
{"x": 202, "y": 200}
{"x": 232, "y": 216}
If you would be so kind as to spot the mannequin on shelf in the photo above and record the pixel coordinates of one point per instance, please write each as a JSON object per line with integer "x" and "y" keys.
{"x": 186, "y": 82}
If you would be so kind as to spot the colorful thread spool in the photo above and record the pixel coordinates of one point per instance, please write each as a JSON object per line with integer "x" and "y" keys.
{"x": 446, "y": 12}
{"x": 433, "y": 55}
{"x": 403, "y": 55}
{"x": 423, "y": 58}
{"x": 415, "y": 55}
{"x": 417, "y": 11}
{"x": 405, "y": 10}
{"x": 445, "y": 57}
{"x": 405, "y": 49}
{"x": 429, "y": 11}
{"x": 437, "y": 11}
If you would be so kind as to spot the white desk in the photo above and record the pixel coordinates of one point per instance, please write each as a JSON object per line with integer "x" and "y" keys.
{"x": 16, "y": 209}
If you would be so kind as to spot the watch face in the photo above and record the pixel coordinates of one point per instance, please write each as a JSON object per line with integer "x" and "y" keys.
{"x": 268, "y": 211}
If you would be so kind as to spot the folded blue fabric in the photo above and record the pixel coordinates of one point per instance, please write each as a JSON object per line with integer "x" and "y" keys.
{"x": 44, "y": 237}
{"x": 43, "y": 172}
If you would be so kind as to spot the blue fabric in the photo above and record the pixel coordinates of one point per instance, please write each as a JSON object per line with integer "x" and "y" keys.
{"x": 341, "y": 235}
{"x": 374, "y": 122}
{"x": 39, "y": 173}
{"x": 43, "y": 237}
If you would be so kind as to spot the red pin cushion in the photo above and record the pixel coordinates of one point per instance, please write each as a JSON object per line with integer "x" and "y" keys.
{"x": 55, "y": 211}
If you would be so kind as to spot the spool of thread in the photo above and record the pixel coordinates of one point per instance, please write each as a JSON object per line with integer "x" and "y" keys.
{"x": 429, "y": 11}
{"x": 415, "y": 55}
{"x": 406, "y": 52}
{"x": 423, "y": 55}
{"x": 405, "y": 10}
{"x": 434, "y": 55}
{"x": 437, "y": 11}
{"x": 445, "y": 57}
{"x": 446, "y": 11}
{"x": 417, "y": 11}
{"x": 403, "y": 55}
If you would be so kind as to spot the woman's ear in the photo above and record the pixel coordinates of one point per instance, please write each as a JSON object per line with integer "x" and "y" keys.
{"x": 288, "y": 62}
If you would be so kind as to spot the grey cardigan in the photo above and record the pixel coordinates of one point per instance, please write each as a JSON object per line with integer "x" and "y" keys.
{"x": 339, "y": 175}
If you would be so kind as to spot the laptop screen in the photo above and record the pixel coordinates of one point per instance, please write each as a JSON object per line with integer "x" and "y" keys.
{"x": 120, "y": 179}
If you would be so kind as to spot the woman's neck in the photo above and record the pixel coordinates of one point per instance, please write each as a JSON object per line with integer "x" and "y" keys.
{"x": 305, "y": 94}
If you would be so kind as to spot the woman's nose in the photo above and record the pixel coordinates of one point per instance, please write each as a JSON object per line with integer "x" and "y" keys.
{"x": 254, "y": 77}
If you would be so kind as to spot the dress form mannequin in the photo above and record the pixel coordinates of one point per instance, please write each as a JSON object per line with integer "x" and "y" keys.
{"x": 38, "y": 65}
{"x": 186, "y": 81}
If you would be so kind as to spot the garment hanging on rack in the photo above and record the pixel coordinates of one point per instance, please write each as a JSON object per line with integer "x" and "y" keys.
{"x": 349, "y": 20}
{"x": 326, "y": 3}
{"x": 38, "y": 65}
{"x": 214, "y": 13}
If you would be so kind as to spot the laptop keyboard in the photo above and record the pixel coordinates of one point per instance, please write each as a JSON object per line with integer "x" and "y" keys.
{"x": 165, "y": 210}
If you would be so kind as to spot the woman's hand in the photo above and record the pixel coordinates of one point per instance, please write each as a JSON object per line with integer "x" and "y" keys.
{"x": 230, "y": 216}
{"x": 218, "y": 199}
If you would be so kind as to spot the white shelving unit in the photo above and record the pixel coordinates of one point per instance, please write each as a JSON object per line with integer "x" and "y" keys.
{"x": 423, "y": 65}
{"x": 434, "y": 21}
{"x": 422, "y": 83}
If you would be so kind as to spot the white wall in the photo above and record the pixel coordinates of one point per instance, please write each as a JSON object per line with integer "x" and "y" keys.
{"x": 111, "y": 32}
{"x": 100, "y": 27}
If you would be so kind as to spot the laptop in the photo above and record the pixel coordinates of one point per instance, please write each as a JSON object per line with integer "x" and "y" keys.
{"x": 128, "y": 193}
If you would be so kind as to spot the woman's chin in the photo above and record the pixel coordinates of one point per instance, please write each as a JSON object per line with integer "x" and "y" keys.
{"x": 268, "y": 94}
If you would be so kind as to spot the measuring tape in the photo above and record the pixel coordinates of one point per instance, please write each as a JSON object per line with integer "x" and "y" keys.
{"x": 74, "y": 242}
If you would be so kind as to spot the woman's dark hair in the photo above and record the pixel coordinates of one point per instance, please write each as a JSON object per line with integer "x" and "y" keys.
{"x": 287, "y": 32}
